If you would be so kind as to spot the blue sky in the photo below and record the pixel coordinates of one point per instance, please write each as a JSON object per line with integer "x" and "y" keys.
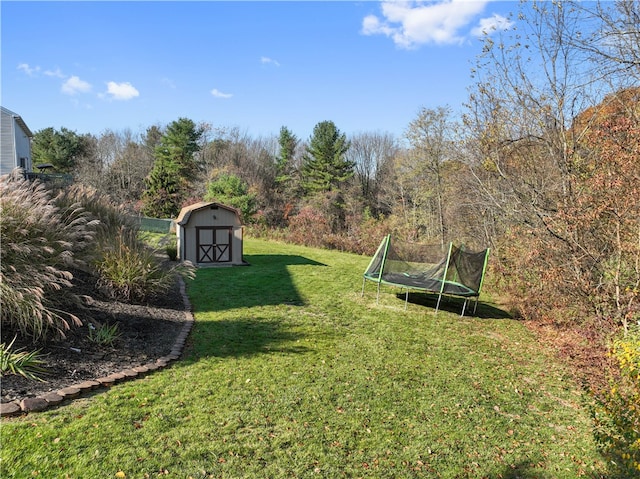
{"x": 367, "y": 66}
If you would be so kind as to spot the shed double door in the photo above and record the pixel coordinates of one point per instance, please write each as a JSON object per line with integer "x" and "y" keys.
{"x": 213, "y": 244}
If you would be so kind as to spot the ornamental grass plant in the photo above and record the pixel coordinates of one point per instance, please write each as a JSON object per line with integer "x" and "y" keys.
{"x": 46, "y": 237}
{"x": 28, "y": 364}
{"x": 127, "y": 267}
{"x": 111, "y": 219}
{"x": 41, "y": 243}
{"x": 129, "y": 270}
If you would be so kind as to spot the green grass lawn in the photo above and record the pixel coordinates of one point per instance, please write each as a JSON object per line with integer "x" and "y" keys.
{"x": 291, "y": 373}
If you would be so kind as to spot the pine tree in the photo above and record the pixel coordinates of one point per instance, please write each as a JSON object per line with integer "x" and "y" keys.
{"x": 325, "y": 166}
{"x": 284, "y": 166}
{"x": 173, "y": 171}
{"x": 179, "y": 145}
{"x": 162, "y": 197}
{"x": 62, "y": 148}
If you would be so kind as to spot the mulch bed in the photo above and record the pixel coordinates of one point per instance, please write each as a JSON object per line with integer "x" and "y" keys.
{"x": 146, "y": 332}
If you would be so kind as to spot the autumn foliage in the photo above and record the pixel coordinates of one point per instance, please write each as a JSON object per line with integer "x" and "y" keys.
{"x": 606, "y": 208}
{"x": 617, "y": 410}
{"x": 582, "y": 259}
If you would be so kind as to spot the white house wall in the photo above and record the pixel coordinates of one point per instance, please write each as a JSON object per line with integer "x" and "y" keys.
{"x": 15, "y": 143}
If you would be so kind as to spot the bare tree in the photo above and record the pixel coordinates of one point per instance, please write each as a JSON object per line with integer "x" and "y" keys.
{"x": 131, "y": 165}
{"x": 431, "y": 140}
{"x": 613, "y": 42}
{"x": 373, "y": 155}
{"x": 531, "y": 84}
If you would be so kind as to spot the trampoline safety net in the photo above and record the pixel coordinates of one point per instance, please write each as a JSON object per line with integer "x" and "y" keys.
{"x": 431, "y": 268}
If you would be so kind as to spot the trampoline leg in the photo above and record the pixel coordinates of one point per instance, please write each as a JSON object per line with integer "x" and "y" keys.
{"x": 464, "y": 306}
{"x": 475, "y": 306}
{"x": 406, "y": 299}
{"x": 378, "y": 294}
{"x": 438, "y": 303}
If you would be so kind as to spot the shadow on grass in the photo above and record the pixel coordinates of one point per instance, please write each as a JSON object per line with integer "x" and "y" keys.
{"x": 265, "y": 282}
{"x": 454, "y": 305}
{"x": 280, "y": 259}
{"x": 521, "y": 470}
{"x": 241, "y": 338}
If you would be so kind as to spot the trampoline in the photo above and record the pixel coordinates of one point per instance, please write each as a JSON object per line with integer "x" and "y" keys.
{"x": 428, "y": 268}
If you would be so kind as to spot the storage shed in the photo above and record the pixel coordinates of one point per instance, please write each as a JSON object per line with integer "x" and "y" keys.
{"x": 210, "y": 234}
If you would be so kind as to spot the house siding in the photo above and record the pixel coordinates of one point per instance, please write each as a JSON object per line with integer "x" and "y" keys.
{"x": 15, "y": 143}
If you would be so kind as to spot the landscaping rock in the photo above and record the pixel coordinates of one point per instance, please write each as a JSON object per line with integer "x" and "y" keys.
{"x": 8, "y": 409}
{"x": 70, "y": 392}
{"x": 53, "y": 398}
{"x": 72, "y": 375}
{"x": 130, "y": 373}
{"x": 33, "y": 404}
{"x": 88, "y": 385}
{"x": 106, "y": 381}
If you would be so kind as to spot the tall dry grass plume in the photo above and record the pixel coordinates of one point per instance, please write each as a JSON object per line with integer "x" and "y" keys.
{"x": 40, "y": 243}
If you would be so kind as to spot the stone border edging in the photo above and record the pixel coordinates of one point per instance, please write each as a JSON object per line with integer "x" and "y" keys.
{"x": 54, "y": 398}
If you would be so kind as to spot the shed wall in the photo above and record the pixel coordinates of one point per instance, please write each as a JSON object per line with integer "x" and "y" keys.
{"x": 210, "y": 218}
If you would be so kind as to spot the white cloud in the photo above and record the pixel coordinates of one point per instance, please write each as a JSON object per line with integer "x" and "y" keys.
{"x": 492, "y": 24}
{"x": 54, "y": 73}
{"x": 29, "y": 70}
{"x": 267, "y": 60}
{"x": 121, "y": 91}
{"x": 218, "y": 94}
{"x": 74, "y": 85}
{"x": 414, "y": 23}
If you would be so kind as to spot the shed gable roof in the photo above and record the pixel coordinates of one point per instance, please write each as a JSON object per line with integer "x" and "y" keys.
{"x": 185, "y": 213}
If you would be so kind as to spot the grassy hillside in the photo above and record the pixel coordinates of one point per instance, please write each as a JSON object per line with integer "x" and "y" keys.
{"x": 291, "y": 373}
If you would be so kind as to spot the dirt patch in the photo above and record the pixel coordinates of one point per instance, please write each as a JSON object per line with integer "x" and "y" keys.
{"x": 145, "y": 332}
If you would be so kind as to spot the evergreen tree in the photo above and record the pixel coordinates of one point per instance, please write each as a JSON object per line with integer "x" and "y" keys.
{"x": 174, "y": 169}
{"x": 284, "y": 166}
{"x": 162, "y": 197}
{"x": 231, "y": 190}
{"x": 325, "y": 166}
{"x": 62, "y": 149}
{"x": 179, "y": 145}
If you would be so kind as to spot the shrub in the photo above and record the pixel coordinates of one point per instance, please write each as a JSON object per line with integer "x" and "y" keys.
{"x": 129, "y": 270}
{"x": 171, "y": 248}
{"x": 617, "y": 411}
{"x": 172, "y": 251}
{"x": 39, "y": 244}
{"x": 308, "y": 227}
{"x": 231, "y": 190}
